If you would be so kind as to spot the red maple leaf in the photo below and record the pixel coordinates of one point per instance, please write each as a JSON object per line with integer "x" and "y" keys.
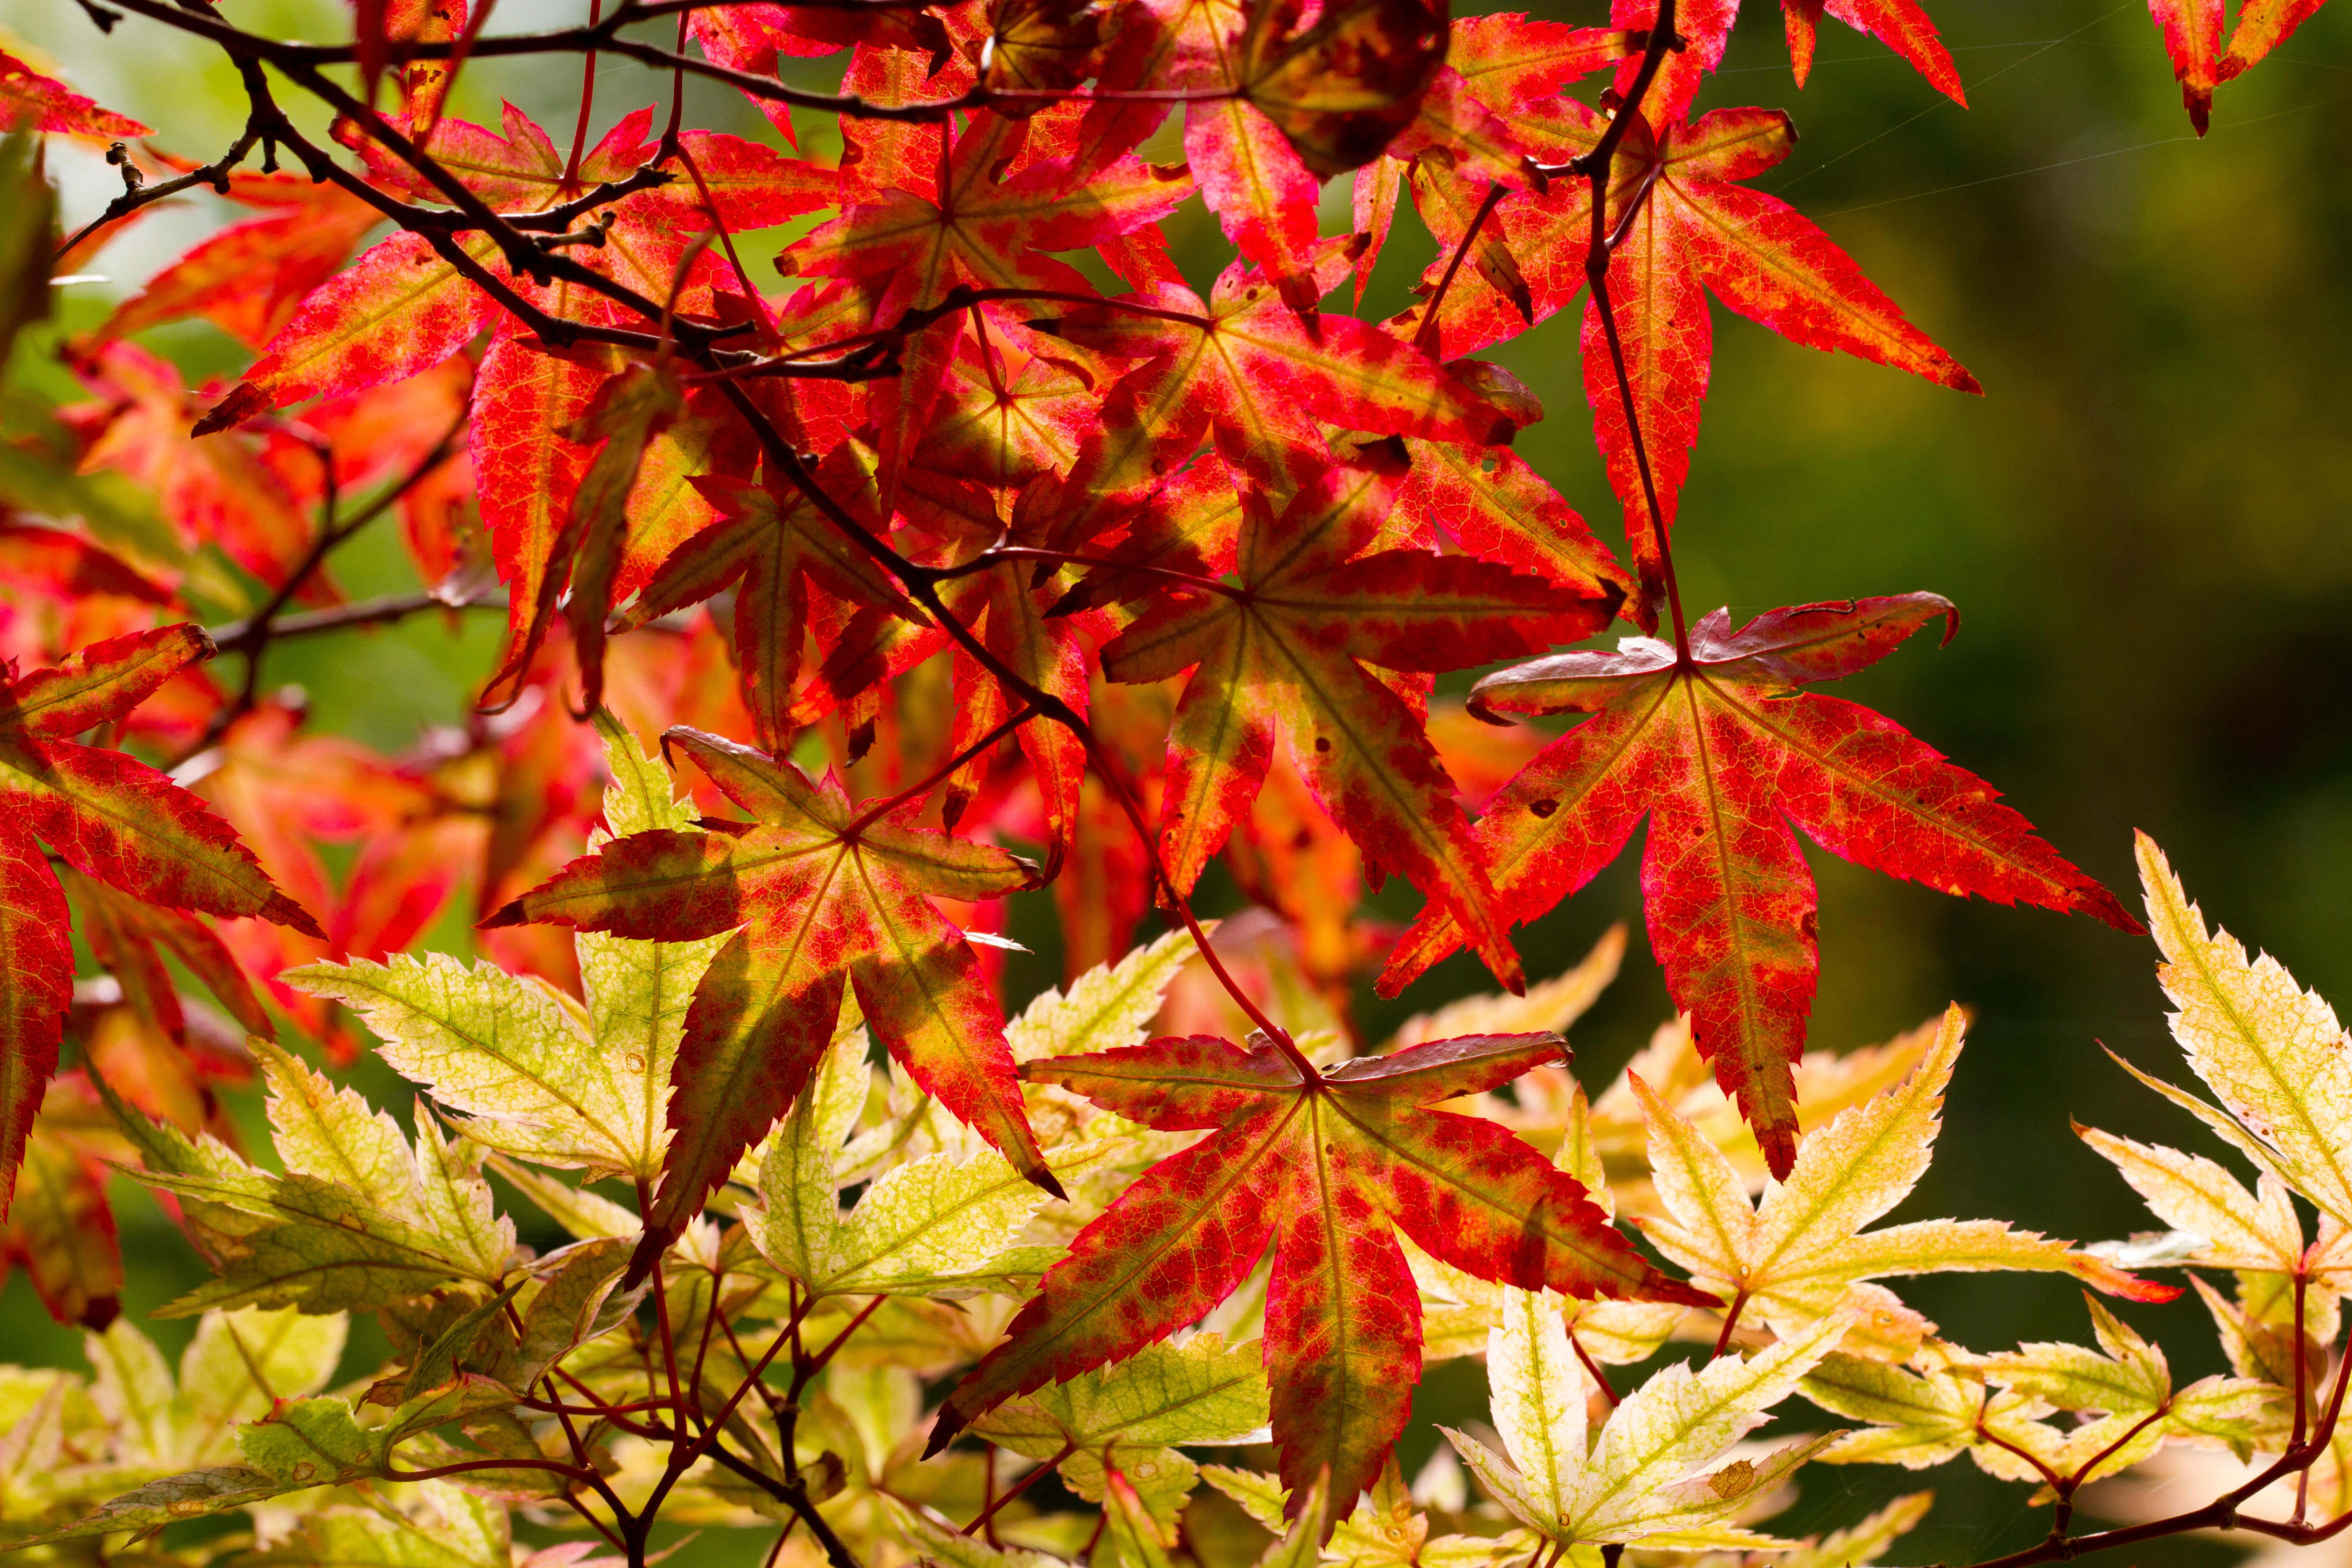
{"x": 1278, "y": 98}
{"x": 31, "y": 102}
{"x": 1291, "y": 646}
{"x": 111, "y": 817}
{"x": 985, "y": 215}
{"x": 1327, "y": 1168}
{"x": 2192, "y": 37}
{"x": 826, "y": 895}
{"x": 248, "y": 497}
{"x": 1722, "y": 754}
{"x": 772, "y": 547}
{"x": 1705, "y": 26}
{"x": 1694, "y": 231}
{"x": 250, "y": 279}
{"x": 1244, "y": 370}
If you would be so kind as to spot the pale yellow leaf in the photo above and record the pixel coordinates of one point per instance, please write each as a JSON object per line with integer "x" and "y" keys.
{"x": 2273, "y": 1052}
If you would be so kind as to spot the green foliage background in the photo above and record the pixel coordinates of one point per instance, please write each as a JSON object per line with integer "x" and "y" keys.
{"x": 2144, "y": 523}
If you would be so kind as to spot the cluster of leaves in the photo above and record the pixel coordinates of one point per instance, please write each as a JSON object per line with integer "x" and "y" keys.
{"x": 773, "y": 1364}
{"x": 991, "y": 532}
{"x": 1072, "y": 550}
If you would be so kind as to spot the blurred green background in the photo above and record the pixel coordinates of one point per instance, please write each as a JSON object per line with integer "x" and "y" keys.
{"x": 2144, "y": 523}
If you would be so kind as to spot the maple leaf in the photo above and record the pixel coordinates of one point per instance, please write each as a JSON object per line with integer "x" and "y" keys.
{"x": 2263, "y": 25}
{"x": 634, "y": 405}
{"x": 2216, "y": 1222}
{"x": 1244, "y": 370}
{"x": 236, "y": 494}
{"x": 1640, "y": 1481}
{"x": 1326, "y": 1170}
{"x": 769, "y": 544}
{"x": 943, "y": 1544}
{"x": 1494, "y": 107}
{"x": 128, "y": 937}
{"x": 971, "y": 222}
{"x": 1864, "y": 1543}
{"x": 1286, "y": 650}
{"x": 824, "y": 898}
{"x": 1130, "y": 1419}
{"x": 1994, "y": 1408}
{"x": 42, "y": 104}
{"x": 1303, "y": 103}
{"x": 233, "y": 1368}
{"x": 2191, "y": 30}
{"x": 1691, "y": 229}
{"x": 1275, "y": 100}
{"x": 1802, "y": 1253}
{"x": 1040, "y": 47}
{"x": 401, "y": 309}
{"x": 113, "y": 819}
{"x": 538, "y": 1078}
{"x": 1932, "y": 1411}
{"x": 59, "y": 1226}
{"x": 2270, "y": 1050}
{"x": 1494, "y": 505}
{"x": 361, "y": 1216}
{"x": 250, "y": 279}
{"x": 55, "y": 561}
{"x": 1722, "y": 752}
{"x": 2126, "y": 1384}
{"x": 1705, "y": 26}
{"x": 944, "y": 1222}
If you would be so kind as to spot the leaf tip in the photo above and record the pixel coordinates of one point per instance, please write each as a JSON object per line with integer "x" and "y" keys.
{"x": 511, "y": 914}
{"x": 283, "y": 911}
{"x": 241, "y": 404}
{"x": 944, "y": 1429}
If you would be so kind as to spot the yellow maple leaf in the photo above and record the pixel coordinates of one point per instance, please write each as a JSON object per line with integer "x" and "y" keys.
{"x": 1803, "y": 1254}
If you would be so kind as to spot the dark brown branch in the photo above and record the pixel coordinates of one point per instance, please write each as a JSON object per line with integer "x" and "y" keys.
{"x": 135, "y": 196}
{"x": 371, "y": 613}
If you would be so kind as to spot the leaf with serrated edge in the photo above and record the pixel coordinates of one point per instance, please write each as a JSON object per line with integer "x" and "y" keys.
{"x": 1106, "y": 1008}
{"x": 1129, "y": 1418}
{"x": 818, "y": 901}
{"x": 542, "y": 1083}
{"x": 1645, "y": 1478}
{"x": 1327, "y": 1173}
{"x": 2271, "y": 1051}
{"x": 169, "y": 1501}
{"x": 1726, "y": 757}
{"x": 1799, "y": 1255}
{"x": 1553, "y": 1004}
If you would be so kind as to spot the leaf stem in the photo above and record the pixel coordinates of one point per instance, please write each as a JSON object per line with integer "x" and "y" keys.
{"x": 1426, "y": 337}
{"x": 587, "y": 98}
{"x": 1730, "y": 1321}
{"x": 931, "y": 780}
{"x": 1017, "y": 1488}
{"x": 1592, "y": 1368}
